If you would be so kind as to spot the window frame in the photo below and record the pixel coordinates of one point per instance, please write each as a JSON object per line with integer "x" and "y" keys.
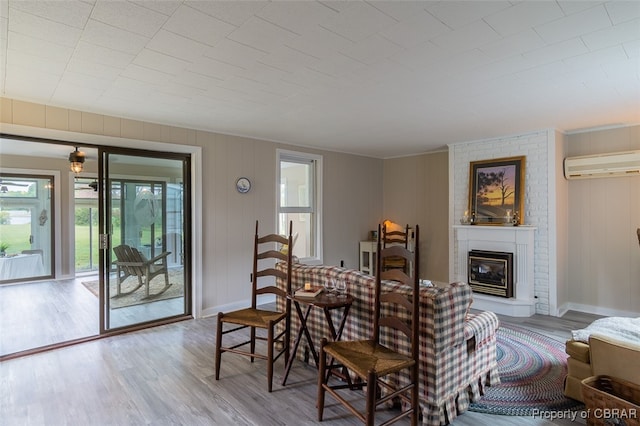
{"x": 315, "y": 208}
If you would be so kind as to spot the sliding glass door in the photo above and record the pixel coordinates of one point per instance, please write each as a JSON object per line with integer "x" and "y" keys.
{"x": 143, "y": 234}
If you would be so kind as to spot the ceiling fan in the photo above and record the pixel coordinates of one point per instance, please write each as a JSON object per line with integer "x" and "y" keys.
{"x": 91, "y": 185}
{"x": 11, "y": 183}
{"x": 4, "y": 185}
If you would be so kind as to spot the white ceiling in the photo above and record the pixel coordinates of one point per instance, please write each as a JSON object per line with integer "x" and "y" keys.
{"x": 378, "y": 78}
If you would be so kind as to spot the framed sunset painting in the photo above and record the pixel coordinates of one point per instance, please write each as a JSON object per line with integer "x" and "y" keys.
{"x": 496, "y": 191}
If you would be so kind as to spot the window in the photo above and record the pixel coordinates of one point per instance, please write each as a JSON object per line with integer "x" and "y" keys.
{"x": 299, "y": 201}
{"x": 26, "y": 216}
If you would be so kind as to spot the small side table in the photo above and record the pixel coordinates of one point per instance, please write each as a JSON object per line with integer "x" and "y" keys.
{"x": 368, "y": 251}
{"x": 327, "y": 304}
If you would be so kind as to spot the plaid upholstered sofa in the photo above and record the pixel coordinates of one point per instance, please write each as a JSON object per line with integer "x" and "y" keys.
{"x": 458, "y": 348}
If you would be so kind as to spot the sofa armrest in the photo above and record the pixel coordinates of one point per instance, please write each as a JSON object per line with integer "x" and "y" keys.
{"x": 443, "y": 311}
{"x": 578, "y": 350}
{"x": 481, "y": 327}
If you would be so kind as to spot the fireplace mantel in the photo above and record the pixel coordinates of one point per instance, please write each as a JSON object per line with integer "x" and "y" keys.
{"x": 518, "y": 240}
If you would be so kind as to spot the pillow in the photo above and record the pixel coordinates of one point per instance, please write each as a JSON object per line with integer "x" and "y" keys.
{"x": 622, "y": 328}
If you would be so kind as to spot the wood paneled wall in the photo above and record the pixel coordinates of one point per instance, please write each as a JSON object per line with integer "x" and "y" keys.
{"x": 351, "y": 190}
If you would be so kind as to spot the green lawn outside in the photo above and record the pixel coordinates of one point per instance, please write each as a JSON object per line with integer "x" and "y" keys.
{"x": 82, "y": 248}
{"x": 17, "y": 237}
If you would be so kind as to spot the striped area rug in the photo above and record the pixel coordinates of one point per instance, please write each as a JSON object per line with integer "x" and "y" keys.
{"x": 532, "y": 370}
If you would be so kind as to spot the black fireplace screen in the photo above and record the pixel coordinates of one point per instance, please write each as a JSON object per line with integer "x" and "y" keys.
{"x": 491, "y": 272}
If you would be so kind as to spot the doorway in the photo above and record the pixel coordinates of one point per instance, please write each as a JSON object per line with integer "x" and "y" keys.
{"x": 60, "y": 308}
{"x": 86, "y": 215}
{"x": 145, "y": 271}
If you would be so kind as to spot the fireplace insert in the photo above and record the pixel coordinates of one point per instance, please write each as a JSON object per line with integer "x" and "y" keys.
{"x": 491, "y": 272}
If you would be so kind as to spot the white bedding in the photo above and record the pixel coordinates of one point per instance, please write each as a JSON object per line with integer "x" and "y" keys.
{"x": 621, "y": 328}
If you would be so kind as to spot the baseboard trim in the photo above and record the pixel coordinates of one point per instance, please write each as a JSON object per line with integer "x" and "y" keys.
{"x": 213, "y": 311}
{"x": 596, "y": 310}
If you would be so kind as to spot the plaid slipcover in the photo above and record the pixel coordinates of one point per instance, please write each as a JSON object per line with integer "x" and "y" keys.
{"x": 457, "y": 348}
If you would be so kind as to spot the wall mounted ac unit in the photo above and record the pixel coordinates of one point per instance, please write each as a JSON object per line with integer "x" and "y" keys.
{"x": 603, "y": 165}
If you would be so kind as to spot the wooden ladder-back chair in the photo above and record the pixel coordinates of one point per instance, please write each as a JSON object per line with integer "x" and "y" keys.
{"x": 395, "y": 238}
{"x": 131, "y": 263}
{"x": 254, "y": 317}
{"x": 371, "y": 361}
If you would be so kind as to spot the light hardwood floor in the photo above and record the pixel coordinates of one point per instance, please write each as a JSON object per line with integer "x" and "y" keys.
{"x": 38, "y": 314}
{"x": 165, "y": 375}
{"x": 43, "y": 313}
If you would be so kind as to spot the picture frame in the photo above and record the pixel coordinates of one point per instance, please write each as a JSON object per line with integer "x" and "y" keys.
{"x": 496, "y": 191}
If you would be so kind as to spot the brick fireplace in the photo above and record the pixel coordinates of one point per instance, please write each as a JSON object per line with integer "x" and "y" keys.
{"x": 510, "y": 247}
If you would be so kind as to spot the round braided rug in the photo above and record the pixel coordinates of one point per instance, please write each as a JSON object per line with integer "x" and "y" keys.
{"x": 532, "y": 369}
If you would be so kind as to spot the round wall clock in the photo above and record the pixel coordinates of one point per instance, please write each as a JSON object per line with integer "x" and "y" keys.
{"x": 243, "y": 185}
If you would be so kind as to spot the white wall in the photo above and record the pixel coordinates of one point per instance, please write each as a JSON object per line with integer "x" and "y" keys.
{"x": 352, "y": 205}
{"x": 604, "y": 213}
{"x": 540, "y": 186}
{"x": 416, "y": 192}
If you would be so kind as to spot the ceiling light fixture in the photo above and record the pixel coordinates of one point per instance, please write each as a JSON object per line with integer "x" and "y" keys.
{"x": 76, "y": 158}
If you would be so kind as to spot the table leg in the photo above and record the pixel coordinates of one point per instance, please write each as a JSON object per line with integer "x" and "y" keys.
{"x": 301, "y": 330}
{"x": 336, "y": 336}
